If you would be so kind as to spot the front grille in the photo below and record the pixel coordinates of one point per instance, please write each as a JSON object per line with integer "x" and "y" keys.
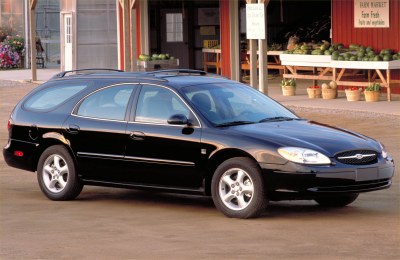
{"x": 358, "y": 157}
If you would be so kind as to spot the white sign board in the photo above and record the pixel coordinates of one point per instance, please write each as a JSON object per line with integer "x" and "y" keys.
{"x": 255, "y": 21}
{"x": 371, "y": 13}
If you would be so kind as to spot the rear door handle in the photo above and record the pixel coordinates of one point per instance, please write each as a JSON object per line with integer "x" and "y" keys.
{"x": 137, "y": 135}
{"x": 73, "y": 129}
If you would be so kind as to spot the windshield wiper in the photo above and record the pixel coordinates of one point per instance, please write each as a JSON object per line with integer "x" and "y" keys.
{"x": 232, "y": 123}
{"x": 277, "y": 118}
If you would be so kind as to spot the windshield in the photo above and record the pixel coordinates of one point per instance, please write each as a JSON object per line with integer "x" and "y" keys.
{"x": 234, "y": 103}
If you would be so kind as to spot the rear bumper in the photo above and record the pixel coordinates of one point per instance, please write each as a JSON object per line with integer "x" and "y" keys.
{"x": 302, "y": 181}
{"x": 24, "y": 162}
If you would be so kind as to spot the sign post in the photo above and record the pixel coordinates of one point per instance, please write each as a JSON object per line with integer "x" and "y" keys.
{"x": 256, "y": 30}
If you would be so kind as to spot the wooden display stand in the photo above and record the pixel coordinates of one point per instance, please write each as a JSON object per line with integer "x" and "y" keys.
{"x": 212, "y": 58}
{"x": 273, "y": 63}
{"x": 323, "y": 68}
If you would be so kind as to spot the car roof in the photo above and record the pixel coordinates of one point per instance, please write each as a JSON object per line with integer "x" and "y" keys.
{"x": 176, "y": 78}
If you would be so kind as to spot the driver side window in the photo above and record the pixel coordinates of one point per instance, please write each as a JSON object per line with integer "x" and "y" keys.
{"x": 157, "y": 104}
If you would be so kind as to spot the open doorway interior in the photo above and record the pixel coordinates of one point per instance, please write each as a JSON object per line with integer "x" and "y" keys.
{"x": 180, "y": 29}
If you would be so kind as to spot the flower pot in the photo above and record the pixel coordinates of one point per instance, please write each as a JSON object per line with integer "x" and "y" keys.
{"x": 329, "y": 93}
{"x": 288, "y": 90}
{"x": 314, "y": 92}
{"x": 353, "y": 95}
{"x": 371, "y": 96}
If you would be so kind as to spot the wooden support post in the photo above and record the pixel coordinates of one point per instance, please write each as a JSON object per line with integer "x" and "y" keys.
{"x": 133, "y": 47}
{"x": 389, "y": 90}
{"x": 253, "y": 63}
{"x": 253, "y": 56}
{"x": 32, "y": 29}
{"x": 314, "y": 71}
{"x": 126, "y": 32}
{"x": 263, "y": 56}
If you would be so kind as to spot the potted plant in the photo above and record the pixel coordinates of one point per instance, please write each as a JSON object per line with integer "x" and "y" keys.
{"x": 372, "y": 92}
{"x": 329, "y": 91}
{"x": 353, "y": 94}
{"x": 314, "y": 92}
{"x": 288, "y": 87}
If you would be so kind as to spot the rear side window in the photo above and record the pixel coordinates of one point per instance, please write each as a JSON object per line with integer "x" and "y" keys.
{"x": 51, "y": 97}
{"x": 110, "y": 103}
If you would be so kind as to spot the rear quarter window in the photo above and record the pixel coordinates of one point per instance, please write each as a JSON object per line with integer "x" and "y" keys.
{"x": 51, "y": 97}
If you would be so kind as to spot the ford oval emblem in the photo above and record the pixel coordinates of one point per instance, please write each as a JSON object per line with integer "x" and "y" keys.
{"x": 359, "y": 156}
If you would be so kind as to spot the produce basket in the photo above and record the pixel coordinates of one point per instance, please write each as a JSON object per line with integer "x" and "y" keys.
{"x": 371, "y": 96}
{"x": 329, "y": 93}
{"x": 314, "y": 92}
{"x": 353, "y": 94}
{"x": 288, "y": 91}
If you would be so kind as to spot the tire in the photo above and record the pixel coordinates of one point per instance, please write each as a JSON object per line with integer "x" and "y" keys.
{"x": 336, "y": 200}
{"x": 56, "y": 174}
{"x": 237, "y": 188}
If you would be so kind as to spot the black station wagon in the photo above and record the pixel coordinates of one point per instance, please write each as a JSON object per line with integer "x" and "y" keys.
{"x": 190, "y": 132}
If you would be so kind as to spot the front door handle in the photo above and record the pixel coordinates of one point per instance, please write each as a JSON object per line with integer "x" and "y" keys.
{"x": 73, "y": 129}
{"x": 137, "y": 135}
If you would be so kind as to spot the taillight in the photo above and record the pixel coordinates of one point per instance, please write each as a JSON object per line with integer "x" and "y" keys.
{"x": 19, "y": 153}
{"x": 9, "y": 124}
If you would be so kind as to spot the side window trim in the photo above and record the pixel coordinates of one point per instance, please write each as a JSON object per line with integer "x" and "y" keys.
{"x": 132, "y": 118}
{"x": 49, "y": 85}
{"x": 135, "y": 87}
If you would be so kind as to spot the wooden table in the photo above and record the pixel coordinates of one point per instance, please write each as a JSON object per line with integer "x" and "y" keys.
{"x": 375, "y": 71}
{"x": 323, "y": 68}
{"x": 212, "y": 58}
{"x": 300, "y": 66}
{"x": 273, "y": 63}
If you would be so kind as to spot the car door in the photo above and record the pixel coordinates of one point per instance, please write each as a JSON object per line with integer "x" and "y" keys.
{"x": 96, "y": 131}
{"x": 160, "y": 153}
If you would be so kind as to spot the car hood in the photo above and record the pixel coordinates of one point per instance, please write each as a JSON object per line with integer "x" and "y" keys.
{"x": 307, "y": 134}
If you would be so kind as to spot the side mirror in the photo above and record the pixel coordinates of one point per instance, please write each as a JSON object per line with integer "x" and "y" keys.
{"x": 178, "y": 119}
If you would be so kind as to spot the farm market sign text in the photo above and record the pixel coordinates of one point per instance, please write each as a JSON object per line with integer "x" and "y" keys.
{"x": 371, "y": 13}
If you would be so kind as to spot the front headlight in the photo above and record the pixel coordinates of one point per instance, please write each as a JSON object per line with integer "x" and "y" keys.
{"x": 384, "y": 153}
{"x": 304, "y": 156}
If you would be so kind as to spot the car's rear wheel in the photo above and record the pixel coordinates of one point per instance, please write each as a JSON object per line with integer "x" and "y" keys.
{"x": 56, "y": 174}
{"x": 237, "y": 188}
{"x": 336, "y": 200}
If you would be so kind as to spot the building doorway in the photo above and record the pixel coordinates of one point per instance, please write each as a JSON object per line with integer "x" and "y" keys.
{"x": 174, "y": 35}
{"x": 67, "y": 44}
{"x": 180, "y": 29}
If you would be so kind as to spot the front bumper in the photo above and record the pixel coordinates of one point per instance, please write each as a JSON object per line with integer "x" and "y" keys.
{"x": 308, "y": 181}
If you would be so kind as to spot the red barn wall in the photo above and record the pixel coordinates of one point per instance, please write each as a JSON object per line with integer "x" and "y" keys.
{"x": 343, "y": 30}
{"x": 379, "y": 38}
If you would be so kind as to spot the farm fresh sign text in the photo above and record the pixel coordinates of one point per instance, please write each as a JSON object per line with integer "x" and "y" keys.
{"x": 371, "y": 13}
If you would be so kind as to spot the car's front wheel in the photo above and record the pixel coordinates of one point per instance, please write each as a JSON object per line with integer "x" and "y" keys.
{"x": 237, "y": 188}
{"x": 336, "y": 200}
{"x": 56, "y": 174}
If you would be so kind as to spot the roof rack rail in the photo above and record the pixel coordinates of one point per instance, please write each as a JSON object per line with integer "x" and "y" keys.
{"x": 63, "y": 73}
{"x": 178, "y": 72}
